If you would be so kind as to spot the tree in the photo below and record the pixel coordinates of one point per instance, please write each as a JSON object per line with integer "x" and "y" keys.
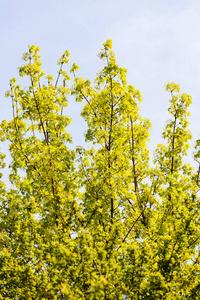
{"x": 101, "y": 222}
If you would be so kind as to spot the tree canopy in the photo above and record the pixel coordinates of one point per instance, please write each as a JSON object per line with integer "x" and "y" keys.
{"x": 96, "y": 222}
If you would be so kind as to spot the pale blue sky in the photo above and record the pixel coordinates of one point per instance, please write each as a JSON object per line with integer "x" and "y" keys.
{"x": 157, "y": 41}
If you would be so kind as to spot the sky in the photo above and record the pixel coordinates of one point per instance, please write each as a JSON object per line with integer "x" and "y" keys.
{"x": 157, "y": 41}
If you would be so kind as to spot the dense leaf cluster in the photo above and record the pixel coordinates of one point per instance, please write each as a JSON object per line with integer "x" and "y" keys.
{"x": 99, "y": 222}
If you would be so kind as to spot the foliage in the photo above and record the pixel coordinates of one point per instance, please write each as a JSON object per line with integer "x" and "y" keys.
{"x": 101, "y": 222}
